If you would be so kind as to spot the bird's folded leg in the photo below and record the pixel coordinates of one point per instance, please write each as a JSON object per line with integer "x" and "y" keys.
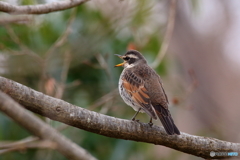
{"x": 133, "y": 118}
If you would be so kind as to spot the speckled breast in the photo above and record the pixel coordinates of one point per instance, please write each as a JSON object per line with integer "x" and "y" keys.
{"x": 125, "y": 96}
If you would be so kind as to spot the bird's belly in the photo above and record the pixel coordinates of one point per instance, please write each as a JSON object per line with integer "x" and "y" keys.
{"x": 127, "y": 97}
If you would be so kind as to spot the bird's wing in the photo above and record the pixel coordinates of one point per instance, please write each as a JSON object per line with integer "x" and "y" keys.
{"x": 135, "y": 87}
{"x": 161, "y": 108}
{"x": 161, "y": 85}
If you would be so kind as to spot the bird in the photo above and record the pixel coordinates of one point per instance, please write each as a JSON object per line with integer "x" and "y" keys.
{"x": 141, "y": 88}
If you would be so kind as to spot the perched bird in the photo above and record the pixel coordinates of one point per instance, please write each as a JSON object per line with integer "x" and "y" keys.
{"x": 141, "y": 88}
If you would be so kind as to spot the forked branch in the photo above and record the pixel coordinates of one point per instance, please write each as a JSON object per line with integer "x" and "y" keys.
{"x": 53, "y": 139}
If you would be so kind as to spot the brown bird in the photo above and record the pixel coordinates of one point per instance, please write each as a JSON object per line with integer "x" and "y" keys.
{"x": 141, "y": 88}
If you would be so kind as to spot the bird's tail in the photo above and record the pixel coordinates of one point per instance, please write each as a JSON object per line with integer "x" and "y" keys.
{"x": 167, "y": 121}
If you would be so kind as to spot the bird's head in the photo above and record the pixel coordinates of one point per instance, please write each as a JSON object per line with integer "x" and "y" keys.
{"x": 131, "y": 58}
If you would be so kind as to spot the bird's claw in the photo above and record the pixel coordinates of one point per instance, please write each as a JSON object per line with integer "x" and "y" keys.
{"x": 136, "y": 120}
{"x": 150, "y": 124}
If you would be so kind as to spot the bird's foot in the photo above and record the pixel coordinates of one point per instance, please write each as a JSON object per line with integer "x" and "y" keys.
{"x": 136, "y": 120}
{"x": 150, "y": 124}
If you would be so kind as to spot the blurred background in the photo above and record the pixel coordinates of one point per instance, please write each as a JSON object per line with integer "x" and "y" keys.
{"x": 70, "y": 55}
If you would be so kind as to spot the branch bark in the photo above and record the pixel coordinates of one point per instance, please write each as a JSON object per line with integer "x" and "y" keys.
{"x": 40, "y": 8}
{"x": 42, "y": 130}
{"x": 62, "y": 111}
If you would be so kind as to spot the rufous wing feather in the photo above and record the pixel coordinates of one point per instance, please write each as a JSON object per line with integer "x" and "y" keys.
{"x": 136, "y": 89}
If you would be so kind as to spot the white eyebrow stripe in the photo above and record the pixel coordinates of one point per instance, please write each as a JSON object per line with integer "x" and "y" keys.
{"x": 132, "y": 56}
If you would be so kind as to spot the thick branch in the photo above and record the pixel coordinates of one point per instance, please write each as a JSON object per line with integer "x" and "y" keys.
{"x": 62, "y": 111}
{"x": 40, "y": 129}
{"x": 40, "y": 8}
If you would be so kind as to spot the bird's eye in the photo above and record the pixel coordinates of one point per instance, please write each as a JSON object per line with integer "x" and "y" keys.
{"x": 126, "y": 58}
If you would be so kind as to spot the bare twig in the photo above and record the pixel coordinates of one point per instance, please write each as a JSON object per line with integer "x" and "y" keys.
{"x": 40, "y": 129}
{"x": 73, "y": 84}
{"x": 104, "y": 65}
{"x": 21, "y": 142}
{"x": 61, "y": 86}
{"x": 15, "y": 19}
{"x": 62, "y": 39}
{"x": 59, "y": 110}
{"x": 27, "y": 143}
{"x": 25, "y": 49}
{"x": 104, "y": 99}
{"x": 66, "y": 64}
{"x": 40, "y": 8}
{"x": 188, "y": 90}
{"x": 167, "y": 37}
{"x": 40, "y": 144}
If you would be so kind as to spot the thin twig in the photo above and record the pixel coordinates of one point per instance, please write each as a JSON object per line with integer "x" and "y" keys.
{"x": 39, "y": 144}
{"x": 25, "y": 49}
{"x": 73, "y": 84}
{"x": 104, "y": 99}
{"x": 40, "y": 8}
{"x": 15, "y": 19}
{"x": 62, "y": 39}
{"x": 104, "y": 65}
{"x": 167, "y": 37}
{"x": 62, "y": 85}
{"x": 25, "y": 142}
{"x": 21, "y": 142}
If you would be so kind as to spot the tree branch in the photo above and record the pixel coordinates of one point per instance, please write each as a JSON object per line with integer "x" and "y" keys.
{"x": 40, "y": 129}
{"x": 62, "y": 111}
{"x": 29, "y": 139}
{"x": 22, "y": 19}
{"x": 40, "y": 8}
{"x": 24, "y": 48}
{"x": 39, "y": 144}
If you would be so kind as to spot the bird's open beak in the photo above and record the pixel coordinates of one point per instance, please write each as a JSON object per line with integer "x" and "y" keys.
{"x": 121, "y": 64}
